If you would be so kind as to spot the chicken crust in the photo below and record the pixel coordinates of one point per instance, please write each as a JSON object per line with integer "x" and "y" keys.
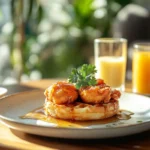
{"x": 61, "y": 93}
{"x": 95, "y": 94}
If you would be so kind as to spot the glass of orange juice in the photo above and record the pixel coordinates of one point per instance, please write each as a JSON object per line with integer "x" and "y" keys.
{"x": 110, "y": 60}
{"x": 141, "y": 68}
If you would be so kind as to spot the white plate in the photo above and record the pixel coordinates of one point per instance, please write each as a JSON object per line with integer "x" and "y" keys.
{"x": 3, "y": 91}
{"x": 14, "y": 106}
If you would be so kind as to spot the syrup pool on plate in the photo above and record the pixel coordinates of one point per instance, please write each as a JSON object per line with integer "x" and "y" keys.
{"x": 38, "y": 114}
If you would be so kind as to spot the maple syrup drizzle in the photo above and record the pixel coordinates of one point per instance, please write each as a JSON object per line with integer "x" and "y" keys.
{"x": 39, "y": 114}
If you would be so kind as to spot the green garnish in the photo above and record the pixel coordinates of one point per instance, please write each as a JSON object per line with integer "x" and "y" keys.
{"x": 139, "y": 121}
{"x": 83, "y": 76}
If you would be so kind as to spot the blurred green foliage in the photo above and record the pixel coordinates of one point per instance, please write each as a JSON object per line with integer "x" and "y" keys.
{"x": 51, "y": 37}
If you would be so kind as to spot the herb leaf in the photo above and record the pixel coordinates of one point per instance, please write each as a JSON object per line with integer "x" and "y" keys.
{"x": 83, "y": 76}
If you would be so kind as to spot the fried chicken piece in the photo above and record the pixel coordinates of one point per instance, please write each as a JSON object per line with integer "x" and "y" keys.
{"x": 61, "y": 93}
{"x": 96, "y": 94}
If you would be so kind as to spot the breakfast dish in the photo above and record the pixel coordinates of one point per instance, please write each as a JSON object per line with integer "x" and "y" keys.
{"x": 20, "y": 104}
{"x": 81, "y": 107}
{"x": 81, "y": 99}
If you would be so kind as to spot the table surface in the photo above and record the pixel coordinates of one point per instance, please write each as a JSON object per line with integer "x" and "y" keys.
{"x": 11, "y": 139}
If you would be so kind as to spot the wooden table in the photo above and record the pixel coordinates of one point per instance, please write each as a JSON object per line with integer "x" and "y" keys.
{"x": 12, "y": 139}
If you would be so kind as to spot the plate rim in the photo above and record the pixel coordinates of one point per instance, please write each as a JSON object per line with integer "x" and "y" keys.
{"x": 4, "y": 92}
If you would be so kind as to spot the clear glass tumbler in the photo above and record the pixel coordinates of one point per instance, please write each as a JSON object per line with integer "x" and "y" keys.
{"x": 141, "y": 68}
{"x": 110, "y": 61}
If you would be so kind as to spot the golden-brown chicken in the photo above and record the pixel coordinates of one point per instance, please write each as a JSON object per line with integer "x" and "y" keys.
{"x": 61, "y": 93}
{"x": 115, "y": 94}
{"x": 100, "y": 93}
{"x": 95, "y": 94}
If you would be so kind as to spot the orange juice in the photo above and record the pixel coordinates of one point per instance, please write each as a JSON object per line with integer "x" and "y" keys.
{"x": 141, "y": 72}
{"x": 112, "y": 70}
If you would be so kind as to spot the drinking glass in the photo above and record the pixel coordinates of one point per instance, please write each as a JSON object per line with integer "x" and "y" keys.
{"x": 110, "y": 61}
{"x": 141, "y": 68}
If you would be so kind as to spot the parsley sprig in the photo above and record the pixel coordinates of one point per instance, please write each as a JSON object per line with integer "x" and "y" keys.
{"x": 83, "y": 76}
